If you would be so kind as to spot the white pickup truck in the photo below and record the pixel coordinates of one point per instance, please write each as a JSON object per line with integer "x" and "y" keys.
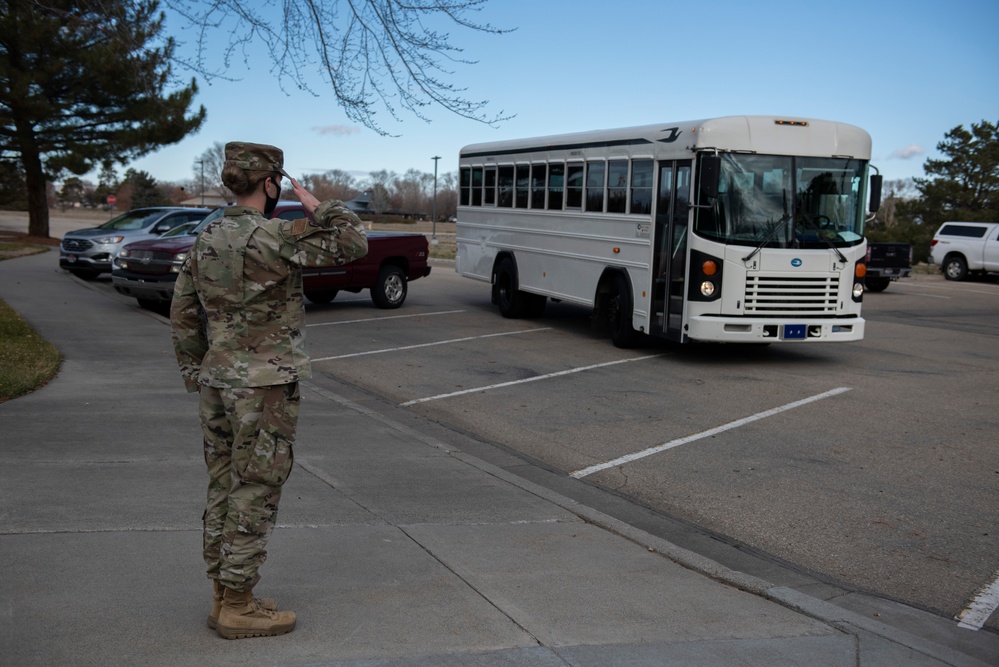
{"x": 960, "y": 248}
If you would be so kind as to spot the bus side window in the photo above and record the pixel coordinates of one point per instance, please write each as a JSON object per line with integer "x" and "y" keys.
{"x": 477, "y": 186}
{"x": 490, "y": 192}
{"x": 574, "y": 186}
{"x": 505, "y": 183}
{"x": 465, "y": 180}
{"x": 538, "y": 173}
{"x": 523, "y": 185}
{"x": 595, "y": 184}
{"x": 641, "y": 186}
{"x": 617, "y": 186}
{"x": 556, "y": 181}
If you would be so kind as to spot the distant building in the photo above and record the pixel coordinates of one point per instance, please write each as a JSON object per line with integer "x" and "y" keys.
{"x": 211, "y": 199}
{"x": 360, "y": 204}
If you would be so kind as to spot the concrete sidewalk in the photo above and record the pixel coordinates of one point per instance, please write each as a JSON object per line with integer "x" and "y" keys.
{"x": 393, "y": 547}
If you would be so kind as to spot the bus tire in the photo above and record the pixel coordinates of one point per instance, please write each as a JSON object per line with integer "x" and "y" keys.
{"x": 512, "y": 302}
{"x": 619, "y": 314}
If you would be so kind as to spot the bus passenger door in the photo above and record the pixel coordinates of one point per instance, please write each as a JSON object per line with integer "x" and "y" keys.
{"x": 670, "y": 259}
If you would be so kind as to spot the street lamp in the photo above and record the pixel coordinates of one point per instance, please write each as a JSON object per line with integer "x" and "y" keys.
{"x": 433, "y": 208}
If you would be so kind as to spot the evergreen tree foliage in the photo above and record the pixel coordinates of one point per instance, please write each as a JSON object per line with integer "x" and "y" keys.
{"x": 144, "y": 189}
{"x": 84, "y": 83}
{"x": 964, "y": 185}
{"x": 13, "y": 195}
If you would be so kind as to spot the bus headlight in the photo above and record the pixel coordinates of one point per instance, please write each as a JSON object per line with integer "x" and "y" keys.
{"x": 706, "y": 277}
{"x": 859, "y": 271}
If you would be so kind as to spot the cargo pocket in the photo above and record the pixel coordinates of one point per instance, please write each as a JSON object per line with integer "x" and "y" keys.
{"x": 271, "y": 456}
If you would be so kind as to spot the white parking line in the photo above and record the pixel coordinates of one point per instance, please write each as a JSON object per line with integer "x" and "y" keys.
{"x": 525, "y": 380}
{"x": 932, "y": 296}
{"x": 983, "y": 606}
{"x": 963, "y": 290}
{"x": 390, "y": 317}
{"x": 439, "y": 342}
{"x": 579, "y": 474}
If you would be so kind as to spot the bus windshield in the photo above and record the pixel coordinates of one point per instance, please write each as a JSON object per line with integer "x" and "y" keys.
{"x": 785, "y": 202}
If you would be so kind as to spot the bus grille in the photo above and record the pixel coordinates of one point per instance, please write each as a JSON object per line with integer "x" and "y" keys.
{"x": 782, "y": 295}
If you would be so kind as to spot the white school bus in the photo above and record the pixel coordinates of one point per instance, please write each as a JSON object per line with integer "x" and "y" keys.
{"x": 734, "y": 229}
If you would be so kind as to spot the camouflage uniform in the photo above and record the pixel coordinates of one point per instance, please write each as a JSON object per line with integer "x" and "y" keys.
{"x": 237, "y": 318}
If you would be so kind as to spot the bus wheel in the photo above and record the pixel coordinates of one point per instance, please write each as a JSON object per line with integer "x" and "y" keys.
{"x": 619, "y": 315}
{"x": 511, "y": 301}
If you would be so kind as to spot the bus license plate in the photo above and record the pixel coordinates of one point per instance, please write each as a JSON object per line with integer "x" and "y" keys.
{"x": 794, "y": 331}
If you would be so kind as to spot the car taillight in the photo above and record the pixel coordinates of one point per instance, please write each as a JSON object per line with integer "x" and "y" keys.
{"x": 933, "y": 243}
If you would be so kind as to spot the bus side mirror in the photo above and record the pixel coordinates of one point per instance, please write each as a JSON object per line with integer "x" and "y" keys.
{"x": 710, "y": 175}
{"x": 875, "y": 193}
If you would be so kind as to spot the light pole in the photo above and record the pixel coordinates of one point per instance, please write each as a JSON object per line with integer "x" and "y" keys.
{"x": 202, "y": 162}
{"x": 433, "y": 206}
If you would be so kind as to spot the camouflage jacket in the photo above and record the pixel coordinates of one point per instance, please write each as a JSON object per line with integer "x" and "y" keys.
{"x": 237, "y": 311}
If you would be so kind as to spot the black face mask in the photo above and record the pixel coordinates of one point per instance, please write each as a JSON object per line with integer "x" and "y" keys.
{"x": 271, "y": 202}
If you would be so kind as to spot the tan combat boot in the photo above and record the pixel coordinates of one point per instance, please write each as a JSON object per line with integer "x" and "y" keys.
{"x": 241, "y": 617}
{"x": 218, "y": 589}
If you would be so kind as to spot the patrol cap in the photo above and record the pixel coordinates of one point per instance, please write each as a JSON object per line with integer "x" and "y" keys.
{"x": 255, "y": 157}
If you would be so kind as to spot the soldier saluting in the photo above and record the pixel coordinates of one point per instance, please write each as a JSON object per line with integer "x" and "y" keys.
{"x": 237, "y": 317}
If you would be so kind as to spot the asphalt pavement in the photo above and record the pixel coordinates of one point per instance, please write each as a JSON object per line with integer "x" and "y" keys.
{"x": 393, "y": 546}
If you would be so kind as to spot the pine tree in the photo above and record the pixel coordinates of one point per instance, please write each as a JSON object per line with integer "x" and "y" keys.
{"x": 965, "y": 186}
{"x": 84, "y": 83}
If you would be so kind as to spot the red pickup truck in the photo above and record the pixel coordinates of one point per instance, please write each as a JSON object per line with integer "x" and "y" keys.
{"x": 147, "y": 270}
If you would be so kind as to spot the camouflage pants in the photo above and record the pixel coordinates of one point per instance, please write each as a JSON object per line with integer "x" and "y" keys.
{"x": 249, "y": 433}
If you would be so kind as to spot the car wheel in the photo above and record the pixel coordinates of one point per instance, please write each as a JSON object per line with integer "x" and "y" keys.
{"x": 619, "y": 314}
{"x": 876, "y": 284}
{"x": 390, "y": 290}
{"x": 955, "y": 268}
{"x": 85, "y": 274}
{"x": 321, "y": 296}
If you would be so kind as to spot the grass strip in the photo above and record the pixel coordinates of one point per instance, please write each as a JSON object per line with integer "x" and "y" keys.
{"x": 27, "y": 361}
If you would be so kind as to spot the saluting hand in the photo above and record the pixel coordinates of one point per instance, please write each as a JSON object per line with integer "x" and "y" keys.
{"x": 308, "y": 200}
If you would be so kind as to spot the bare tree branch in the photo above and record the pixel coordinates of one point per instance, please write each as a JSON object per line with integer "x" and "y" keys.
{"x": 373, "y": 54}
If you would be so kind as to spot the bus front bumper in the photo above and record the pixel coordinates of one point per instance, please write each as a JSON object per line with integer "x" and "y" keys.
{"x": 767, "y": 330}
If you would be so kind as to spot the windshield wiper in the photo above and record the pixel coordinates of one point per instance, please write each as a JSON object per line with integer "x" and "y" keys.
{"x": 818, "y": 230}
{"x": 768, "y": 238}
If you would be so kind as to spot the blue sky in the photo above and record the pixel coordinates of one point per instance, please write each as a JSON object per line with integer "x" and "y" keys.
{"x": 907, "y": 72}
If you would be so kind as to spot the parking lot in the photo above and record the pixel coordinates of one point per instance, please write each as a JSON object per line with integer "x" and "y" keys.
{"x": 870, "y": 466}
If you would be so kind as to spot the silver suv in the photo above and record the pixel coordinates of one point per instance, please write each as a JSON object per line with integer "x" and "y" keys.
{"x": 87, "y": 253}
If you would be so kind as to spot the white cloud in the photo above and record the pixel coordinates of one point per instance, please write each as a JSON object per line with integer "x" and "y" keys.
{"x": 907, "y": 153}
{"x": 338, "y": 130}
